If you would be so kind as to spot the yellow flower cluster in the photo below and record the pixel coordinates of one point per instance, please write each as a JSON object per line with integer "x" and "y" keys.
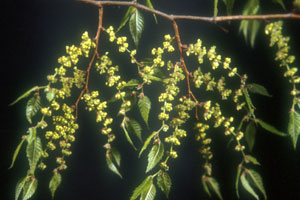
{"x": 282, "y": 55}
{"x": 147, "y": 71}
{"x": 214, "y": 59}
{"x": 123, "y": 45}
{"x": 94, "y": 104}
{"x": 205, "y": 141}
{"x": 79, "y": 77}
{"x": 104, "y": 65}
{"x": 222, "y": 90}
{"x": 171, "y": 91}
{"x": 197, "y": 50}
{"x": 74, "y": 52}
{"x": 64, "y": 129}
{"x": 111, "y": 33}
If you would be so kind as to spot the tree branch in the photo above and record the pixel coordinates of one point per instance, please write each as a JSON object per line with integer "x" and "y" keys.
{"x": 197, "y": 18}
{"x": 95, "y": 54}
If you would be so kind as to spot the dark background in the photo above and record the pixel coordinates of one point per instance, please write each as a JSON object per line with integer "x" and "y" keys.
{"x": 34, "y": 34}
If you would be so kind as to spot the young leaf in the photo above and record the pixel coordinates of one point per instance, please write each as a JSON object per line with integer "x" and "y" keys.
{"x": 124, "y": 20}
{"x": 32, "y": 134}
{"x": 164, "y": 183}
{"x": 141, "y": 188}
{"x": 257, "y": 180}
{"x": 111, "y": 165}
{"x": 149, "y": 193}
{"x": 149, "y": 5}
{"x": 247, "y": 186}
{"x": 33, "y": 106}
{"x": 215, "y": 8}
{"x": 26, "y": 94}
{"x": 205, "y": 186}
{"x": 251, "y": 159}
{"x": 271, "y": 128}
{"x": 33, "y": 151}
{"x": 132, "y": 83}
{"x": 294, "y": 127}
{"x": 155, "y": 155}
{"x": 135, "y": 127}
{"x": 253, "y": 27}
{"x": 250, "y": 135}
{"x": 116, "y": 156}
{"x": 128, "y": 138}
{"x": 229, "y": 5}
{"x": 136, "y": 26}
{"x": 214, "y": 185}
{"x": 16, "y": 152}
{"x": 50, "y": 93}
{"x": 147, "y": 143}
{"x": 258, "y": 89}
{"x": 238, "y": 174}
{"x": 19, "y": 187}
{"x": 54, "y": 183}
{"x": 280, "y": 2}
{"x": 30, "y": 188}
{"x": 251, "y": 8}
{"x": 144, "y": 105}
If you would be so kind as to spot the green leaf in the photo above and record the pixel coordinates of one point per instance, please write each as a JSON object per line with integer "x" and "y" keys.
{"x": 238, "y": 174}
{"x": 253, "y": 28}
{"x": 215, "y": 8}
{"x": 251, "y": 159}
{"x": 205, "y": 186}
{"x": 229, "y": 5}
{"x": 149, "y": 193}
{"x": 128, "y": 137}
{"x": 111, "y": 165}
{"x": 250, "y": 134}
{"x": 124, "y": 20}
{"x": 251, "y": 8}
{"x": 32, "y": 134}
{"x": 294, "y": 127}
{"x": 248, "y": 100}
{"x": 271, "y": 128}
{"x": 257, "y": 180}
{"x": 141, "y": 188}
{"x": 149, "y": 5}
{"x": 29, "y": 188}
{"x": 136, "y": 26}
{"x": 33, "y": 106}
{"x": 116, "y": 156}
{"x": 214, "y": 185}
{"x": 26, "y": 94}
{"x": 135, "y": 127}
{"x": 280, "y": 2}
{"x": 54, "y": 182}
{"x": 155, "y": 155}
{"x": 33, "y": 151}
{"x": 258, "y": 89}
{"x": 17, "y": 152}
{"x": 164, "y": 182}
{"x": 147, "y": 142}
{"x": 19, "y": 187}
{"x": 50, "y": 93}
{"x": 132, "y": 83}
{"x": 144, "y": 105}
{"x": 247, "y": 186}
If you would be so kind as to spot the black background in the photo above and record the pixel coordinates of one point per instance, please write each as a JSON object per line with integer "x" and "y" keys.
{"x": 34, "y": 34}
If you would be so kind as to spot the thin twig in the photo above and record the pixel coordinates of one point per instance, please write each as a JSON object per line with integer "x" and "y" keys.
{"x": 95, "y": 54}
{"x": 189, "y": 17}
